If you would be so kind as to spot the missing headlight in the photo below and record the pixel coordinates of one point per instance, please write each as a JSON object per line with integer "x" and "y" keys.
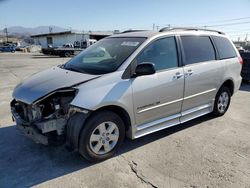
{"x": 57, "y": 104}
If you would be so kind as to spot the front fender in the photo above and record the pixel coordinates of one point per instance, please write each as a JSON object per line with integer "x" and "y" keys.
{"x": 108, "y": 90}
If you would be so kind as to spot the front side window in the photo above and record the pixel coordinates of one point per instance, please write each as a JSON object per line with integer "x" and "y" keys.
{"x": 224, "y": 47}
{"x": 104, "y": 56}
{"x": 162, "y": 53}
{"x": 197, "y": 49}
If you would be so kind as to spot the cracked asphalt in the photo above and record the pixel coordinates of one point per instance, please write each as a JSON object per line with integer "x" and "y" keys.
{"x": 206, "y": 152}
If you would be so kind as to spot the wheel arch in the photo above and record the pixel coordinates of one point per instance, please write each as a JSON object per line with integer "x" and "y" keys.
{"x": 121, "y": 112}
{"x": 76, "y": 123}
{"x": 229, "y": 84}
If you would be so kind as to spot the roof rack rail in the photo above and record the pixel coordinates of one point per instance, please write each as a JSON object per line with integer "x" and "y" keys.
{"x": 189, "y": 29}
{"x": 131, "y": 30}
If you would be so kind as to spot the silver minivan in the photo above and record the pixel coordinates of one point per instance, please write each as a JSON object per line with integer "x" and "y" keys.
{"x": 134, "y": 83}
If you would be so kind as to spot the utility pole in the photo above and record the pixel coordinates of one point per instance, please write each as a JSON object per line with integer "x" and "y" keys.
{"x": 153, "y": 27}
{"x": 50, "y": 29}
{"x": 246, "y": 37}
{"x": 6, "y": 32}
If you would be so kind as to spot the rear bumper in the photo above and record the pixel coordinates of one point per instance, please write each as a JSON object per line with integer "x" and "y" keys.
{"x": 29, "y": 130}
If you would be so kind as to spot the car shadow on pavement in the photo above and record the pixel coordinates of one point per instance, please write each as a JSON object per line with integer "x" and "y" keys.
{"x": 245, "y": 86}
{"x": 24, "y": 163}
{"x": 133, "y": 144}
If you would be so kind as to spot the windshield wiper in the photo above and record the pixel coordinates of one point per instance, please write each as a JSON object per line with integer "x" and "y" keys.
{"x": 73, "y": 69}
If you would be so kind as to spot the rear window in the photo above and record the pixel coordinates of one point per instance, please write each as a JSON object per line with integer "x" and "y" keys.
{"x": 224, "y": 47}
{"x": 197, "y": 49}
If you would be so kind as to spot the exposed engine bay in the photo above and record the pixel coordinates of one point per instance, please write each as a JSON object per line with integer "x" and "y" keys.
{"x": 48, "y": 116}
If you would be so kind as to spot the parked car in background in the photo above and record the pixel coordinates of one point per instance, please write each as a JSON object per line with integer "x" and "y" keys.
{"x": 69, "y": 49}
{"x": 21, "y": 47}
{"x": 245, "y": 72}
{"x": 9, "y": 48}
{"x": 132, "y": 84}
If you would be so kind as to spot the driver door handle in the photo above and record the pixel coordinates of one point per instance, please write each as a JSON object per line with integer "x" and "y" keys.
{"x": 189, "y": 73}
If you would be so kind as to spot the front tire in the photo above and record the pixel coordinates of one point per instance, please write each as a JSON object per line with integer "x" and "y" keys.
{"x": 101, "y": 136}
{"x": 222, "y": 101}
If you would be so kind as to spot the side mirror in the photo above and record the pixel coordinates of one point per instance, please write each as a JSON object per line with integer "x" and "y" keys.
{"x": 146, "y": 68}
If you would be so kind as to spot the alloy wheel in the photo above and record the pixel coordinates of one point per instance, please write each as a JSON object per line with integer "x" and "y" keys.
{"x": 104, "y": 138}
{"x": 223, "y": 102}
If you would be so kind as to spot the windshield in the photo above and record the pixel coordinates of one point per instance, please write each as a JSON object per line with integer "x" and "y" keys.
{"x": 104, "y": 56}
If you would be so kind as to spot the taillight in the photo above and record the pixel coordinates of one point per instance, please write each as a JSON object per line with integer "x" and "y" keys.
{"x": 241, "y": 60}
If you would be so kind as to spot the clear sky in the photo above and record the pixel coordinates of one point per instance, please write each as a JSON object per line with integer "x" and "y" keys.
{"x": 127, "y": 14}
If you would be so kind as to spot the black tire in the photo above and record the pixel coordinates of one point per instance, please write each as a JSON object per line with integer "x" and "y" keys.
{"x": 67, "y": 54}
{"x": 91, "y": 124}
{"x": 216, "y": 111}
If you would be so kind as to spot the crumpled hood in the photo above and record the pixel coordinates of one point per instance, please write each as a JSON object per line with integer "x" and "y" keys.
{"x": 47, "y": 81}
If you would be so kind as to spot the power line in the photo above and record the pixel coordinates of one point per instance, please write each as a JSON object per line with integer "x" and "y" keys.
{"x": 210, "y": 22}
{"x": 228, "y": 20}
{"x": 215, "y": 25}
{"x": 228, "y": 24}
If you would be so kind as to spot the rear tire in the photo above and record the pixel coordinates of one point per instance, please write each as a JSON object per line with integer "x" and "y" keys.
{"x": 222, "y": 101}
{"x": 101, "y": 136}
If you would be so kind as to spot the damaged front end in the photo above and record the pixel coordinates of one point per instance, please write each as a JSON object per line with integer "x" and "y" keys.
{"x": 45, "y": 120}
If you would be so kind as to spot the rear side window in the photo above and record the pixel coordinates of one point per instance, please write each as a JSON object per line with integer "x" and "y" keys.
{"x": 197, "y": 49}
{"x": 224, "y": 47}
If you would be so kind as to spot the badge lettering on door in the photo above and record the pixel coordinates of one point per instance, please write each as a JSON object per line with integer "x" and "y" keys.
{"x": 148, "y": 105}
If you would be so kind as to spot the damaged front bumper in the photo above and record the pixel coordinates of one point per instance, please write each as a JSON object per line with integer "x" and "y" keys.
{"x": 31, "y": 122}
{"x": 53, "y": 128}
{"x": 29, "y": 130}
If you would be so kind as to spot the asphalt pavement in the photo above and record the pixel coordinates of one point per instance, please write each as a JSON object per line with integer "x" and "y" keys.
{"x": 206, "y": 152}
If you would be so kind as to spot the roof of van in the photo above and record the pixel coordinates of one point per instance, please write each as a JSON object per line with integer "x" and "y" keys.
{"x": 146, "y": 34}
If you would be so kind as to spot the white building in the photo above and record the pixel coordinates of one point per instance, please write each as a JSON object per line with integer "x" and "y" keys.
{"x": 60, "y": 38}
